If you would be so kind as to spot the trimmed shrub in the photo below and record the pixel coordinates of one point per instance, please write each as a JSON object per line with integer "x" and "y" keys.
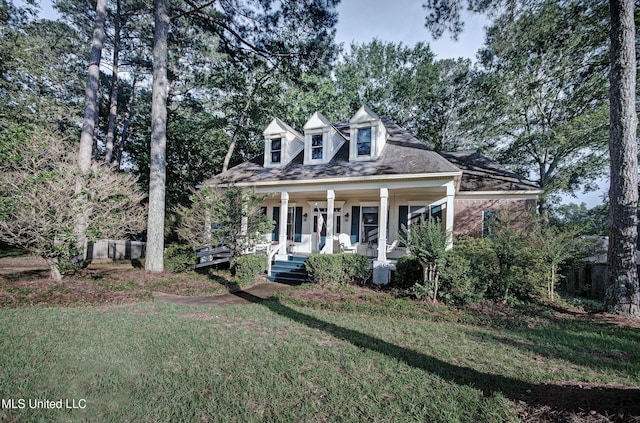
{"x": 408, "y": 272}
{"x": 357, "y": 268}
{"x": 179, "y": 258}
{"x": 334, "y": 269}
{"x": 325, "y": 269}
{"x": 246, "y": 268}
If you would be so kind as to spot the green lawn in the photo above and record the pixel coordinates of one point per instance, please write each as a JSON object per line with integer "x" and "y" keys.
{"x": 275, "y": 361}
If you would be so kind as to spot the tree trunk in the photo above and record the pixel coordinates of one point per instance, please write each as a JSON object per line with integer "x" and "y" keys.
{"x": 435, "y": 285}
{"x": 543, "y": 209}
{"x": 157, "y": 176}
{"x": 54, "y": 269}
{"x": 125, "y": 124}
{"x": 113, "y": 101}
{"x": 622, "y": 294}
{"x": 91, "y": 102}
{"x": 91, "y": 95}
{"x": 552, "y": 283}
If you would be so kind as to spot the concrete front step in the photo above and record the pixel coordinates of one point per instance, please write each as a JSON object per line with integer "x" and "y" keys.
{"x": 291, "y": 271}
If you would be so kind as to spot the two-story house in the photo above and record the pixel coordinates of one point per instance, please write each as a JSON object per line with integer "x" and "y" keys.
{"x": 353, "y": 185}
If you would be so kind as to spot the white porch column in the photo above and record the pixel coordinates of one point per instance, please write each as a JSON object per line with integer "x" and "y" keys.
{"x": 382, "y": 224}
{"x": 282, "y": 236}
{"x": 331, "y": 196}
{"x": 451, "y": 190}
{"x": 381, "y": 269}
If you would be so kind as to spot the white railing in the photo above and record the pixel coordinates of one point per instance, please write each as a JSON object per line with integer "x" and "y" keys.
{"x": 271, "y": 252}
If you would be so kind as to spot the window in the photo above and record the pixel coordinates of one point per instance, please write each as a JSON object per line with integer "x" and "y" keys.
{"x": 316, "y": 147}
{"x": 369, "y": 224}
{"x": 276, "y": 150}
{"x": 429, "y": 213}
{"x": 410, "y": 215}
{"x": 489, "y": 219}
{"x": 364, "y": 142}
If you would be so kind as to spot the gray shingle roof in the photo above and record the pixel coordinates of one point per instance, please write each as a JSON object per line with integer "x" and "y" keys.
{"x": 480, "y": 173}
{"x": 403, "y": 154}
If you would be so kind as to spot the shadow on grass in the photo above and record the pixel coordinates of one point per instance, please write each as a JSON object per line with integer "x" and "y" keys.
{"x": 587, "y": 343}
{"x": 248, "y": 296}
{"x": 32, "y": 274}
{"x": 554, "y": 402}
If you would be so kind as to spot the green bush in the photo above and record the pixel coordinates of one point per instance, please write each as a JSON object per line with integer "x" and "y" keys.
{"x": 334, "y": 269}
{"x": 483, "y": 263}
{"x": 246, "y": 268}
{"x": 325, "y": 269}
{"x": 460, "y": 285}
{"x": 179, "y": 258}
{"x": 500, "y": 269}
{"x": 423, "y": 291}
{"x": 408, "y": 272}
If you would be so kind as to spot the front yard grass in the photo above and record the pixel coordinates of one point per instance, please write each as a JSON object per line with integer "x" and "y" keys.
{"x": 156, "y": 362}
{"x": 316, "y": 354}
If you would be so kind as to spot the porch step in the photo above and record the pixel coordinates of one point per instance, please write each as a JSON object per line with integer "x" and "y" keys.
{"x": 291, "y": 271}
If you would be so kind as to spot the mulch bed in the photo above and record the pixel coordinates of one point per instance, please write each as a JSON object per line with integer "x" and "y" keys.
{"x": 586, "y": 402}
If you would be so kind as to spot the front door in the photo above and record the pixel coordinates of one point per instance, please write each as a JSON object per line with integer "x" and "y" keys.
{"x": 320, "y": 243}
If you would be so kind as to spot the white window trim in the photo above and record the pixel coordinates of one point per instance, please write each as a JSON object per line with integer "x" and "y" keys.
{"x": 355, "y": 128}
{"x": 361, "y": 226}
{"x": 268, "y": 161}
{"x": 309, "y": 146}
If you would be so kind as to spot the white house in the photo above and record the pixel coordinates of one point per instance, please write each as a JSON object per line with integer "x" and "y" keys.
{"x": 364, "y": 179}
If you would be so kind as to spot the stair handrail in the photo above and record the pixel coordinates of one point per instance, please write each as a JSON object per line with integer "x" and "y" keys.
{"x": 270, "y": 255}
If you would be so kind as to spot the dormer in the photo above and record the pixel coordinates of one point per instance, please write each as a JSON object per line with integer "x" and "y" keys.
{"x": 321, "y": 140}
{"x": 281, "y": 144}
{"x": 368, "y": 135}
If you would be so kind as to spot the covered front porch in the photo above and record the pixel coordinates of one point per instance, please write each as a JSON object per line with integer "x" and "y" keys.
{"x": 355, "y": 218}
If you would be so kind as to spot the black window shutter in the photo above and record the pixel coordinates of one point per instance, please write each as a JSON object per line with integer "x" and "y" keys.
{"x": 355, "y": 224}
{"x": 276, "y": 228}
{"x": 403, "y": 212}
{"x": 297, "y": 235}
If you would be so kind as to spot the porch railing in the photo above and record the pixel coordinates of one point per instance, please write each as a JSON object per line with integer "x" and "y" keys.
{"x": 271, "y": 253}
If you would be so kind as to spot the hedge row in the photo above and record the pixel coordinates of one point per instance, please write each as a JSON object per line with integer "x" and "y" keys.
{"x": 332, "y": 269}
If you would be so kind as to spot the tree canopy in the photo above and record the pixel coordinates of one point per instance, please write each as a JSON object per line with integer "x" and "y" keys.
{"x": 542, "y": 95}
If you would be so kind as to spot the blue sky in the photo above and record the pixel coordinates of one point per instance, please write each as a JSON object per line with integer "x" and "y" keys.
{"x": 361, "y": 21}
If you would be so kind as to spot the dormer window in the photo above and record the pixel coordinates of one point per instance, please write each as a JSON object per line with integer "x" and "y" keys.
{"x": 276, "y": 150}
{"x": 368, "y": 135}
{"x": 364, "y": 141}
{"x": 316, "y": 147}
{"x": 321, "y": 140}
{"x": 282, "y": 144}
